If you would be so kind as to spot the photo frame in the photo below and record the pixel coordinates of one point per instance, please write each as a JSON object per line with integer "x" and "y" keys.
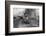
{"x": 24, "y": 17}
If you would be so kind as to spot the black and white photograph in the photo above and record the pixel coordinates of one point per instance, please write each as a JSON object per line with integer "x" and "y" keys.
{"x": 25, "y": 17}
